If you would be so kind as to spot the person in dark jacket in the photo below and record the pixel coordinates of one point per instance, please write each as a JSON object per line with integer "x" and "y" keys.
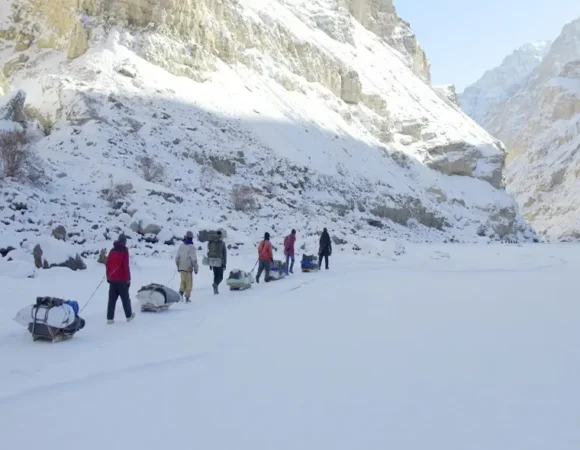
{"x": 119, "y": 279}
{"x": 325, "y": 248}
{"x": 218, "y": 259}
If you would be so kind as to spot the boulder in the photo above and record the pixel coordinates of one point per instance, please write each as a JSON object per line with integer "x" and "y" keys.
{"x": 37, "y": 254}
{"x": 350, "y": 87}
{"x": 144, "y": 224}
{"x": 23, "y": 42}
{"x": 15, "y": 64}
{"x": 102, "y": 256}
{"x": 151, "y": 228}
{"x": 49, "y": 253}
{"x": 12, "y": 107}
{"x": 5, "y": 251}
{"x": 59, "y": 233}
{"x": 127, "y": 70}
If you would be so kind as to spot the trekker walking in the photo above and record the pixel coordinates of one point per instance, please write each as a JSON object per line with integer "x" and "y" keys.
{"x": 119, "y": 279}
{"x": 217, "y": 258}
{"x": 186, "y": 261}
{"x": 325, "y": 248}
{"x": 289, "y": 242}
{"x": 265, "y": 258}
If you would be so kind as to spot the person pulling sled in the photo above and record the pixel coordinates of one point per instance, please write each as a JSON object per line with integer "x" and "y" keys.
{"x": 265, "y": 258}
{"x": 217, "y": 259}
{"x": 186, "y": 262}
{"x": 119, "y": 279}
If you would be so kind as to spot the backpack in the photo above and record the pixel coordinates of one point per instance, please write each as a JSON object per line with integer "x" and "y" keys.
{"x": 214, "y": 249}
{"x": 214, "y": 253}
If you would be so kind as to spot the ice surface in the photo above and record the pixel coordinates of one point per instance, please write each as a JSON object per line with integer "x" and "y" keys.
{"x": 448, "y": 348}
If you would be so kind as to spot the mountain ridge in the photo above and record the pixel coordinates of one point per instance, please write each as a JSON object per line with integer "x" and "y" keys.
{"x": 270, "y": 95}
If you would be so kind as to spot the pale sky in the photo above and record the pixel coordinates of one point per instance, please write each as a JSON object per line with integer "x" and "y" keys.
{"x": 464, "y": 38}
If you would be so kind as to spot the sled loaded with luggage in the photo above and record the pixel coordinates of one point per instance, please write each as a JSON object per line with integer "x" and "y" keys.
{"x": 278, "y": 270}
{"x": 309, "y": 263}
{"x": 239, "y": 280}
{"x": 156, "y": 297}
{"x": 51, "y": 319}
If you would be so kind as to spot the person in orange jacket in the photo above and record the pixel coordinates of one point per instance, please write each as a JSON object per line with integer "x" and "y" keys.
{"x": 265, "y": 258}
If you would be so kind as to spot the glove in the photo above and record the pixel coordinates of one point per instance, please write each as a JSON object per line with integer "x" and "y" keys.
{"x": 223, "y": 267}
{"x": 195, "y": 271}
{"x": 128, "y": 284}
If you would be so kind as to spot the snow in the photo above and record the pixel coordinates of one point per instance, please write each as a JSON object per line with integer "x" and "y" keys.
{"x": 276, "y": 116}
{"x": 450, "y": 347}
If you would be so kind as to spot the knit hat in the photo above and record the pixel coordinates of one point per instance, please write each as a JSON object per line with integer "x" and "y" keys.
{"x": 122, "y": 239}
{"x": 267, "y": 236}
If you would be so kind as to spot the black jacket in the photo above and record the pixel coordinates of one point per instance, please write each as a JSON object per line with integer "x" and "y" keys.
{"x": 325, "y": 244}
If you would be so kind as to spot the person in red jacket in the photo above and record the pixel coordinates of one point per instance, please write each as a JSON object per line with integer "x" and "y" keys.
{"x": 119, "y": 279}
{"x": 265, "y": 258}
{"x": 289, "y": 242}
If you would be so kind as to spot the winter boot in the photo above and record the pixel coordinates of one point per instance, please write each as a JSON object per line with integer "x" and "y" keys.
{"x": 257, "y": 280}
{"x": 180, "y": 296}
{"x": 187, "y": 300}
{"x": 215, "y": 288}
{"x": 110, "y": 322}
{"x": 129, "y": 319}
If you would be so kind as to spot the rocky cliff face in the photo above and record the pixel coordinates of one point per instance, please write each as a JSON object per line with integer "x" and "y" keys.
{"x": 539, "y": 121}
{"x": 331, "y": 94}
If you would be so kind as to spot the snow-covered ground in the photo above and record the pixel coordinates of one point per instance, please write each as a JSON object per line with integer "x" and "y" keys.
{"x": 443, "y": 348}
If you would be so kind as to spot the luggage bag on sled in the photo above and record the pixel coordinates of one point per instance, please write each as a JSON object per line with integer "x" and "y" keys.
{"x": 309, "y": 263}
{"x": 51, "y": 319}
{"x": 156, "y": 297}
{"x": 277, "y": 270}
{"x": 239, "y": 280}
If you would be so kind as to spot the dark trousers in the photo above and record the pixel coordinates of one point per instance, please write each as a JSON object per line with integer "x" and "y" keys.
{"x": 264, "y": 266}
{"x": 289, "y": 260}
{"x": 118, "y": 289}
{"x": 218, "y": 275}
{"x": 325, "y": 260}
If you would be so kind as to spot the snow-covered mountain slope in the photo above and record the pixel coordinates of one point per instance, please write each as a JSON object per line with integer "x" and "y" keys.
{"x": 320, "y": 109}
{"x": 471, "y": 347}
{"x": 482, "y": 99}
{"x": 540, "y": 125}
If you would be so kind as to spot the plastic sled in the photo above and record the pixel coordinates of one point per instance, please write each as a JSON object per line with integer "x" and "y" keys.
{"x": 51, "y": 319}
{"x": 277, "y": 271}
{"x": 156, "y": 297}
{"x": 239, "y": 280}
{"x": 309, "y": 263}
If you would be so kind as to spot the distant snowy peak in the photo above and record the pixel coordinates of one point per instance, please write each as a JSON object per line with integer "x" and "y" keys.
{"x": 565, "y": 49}
{"x": 532, "y": 103}
{"x": 480, "y": 99}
